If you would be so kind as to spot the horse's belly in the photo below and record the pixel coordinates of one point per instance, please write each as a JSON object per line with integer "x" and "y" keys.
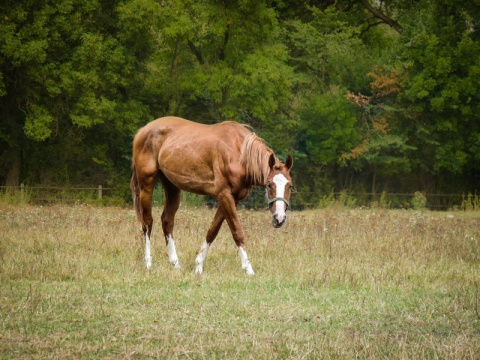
{"x": 189, "y": 177}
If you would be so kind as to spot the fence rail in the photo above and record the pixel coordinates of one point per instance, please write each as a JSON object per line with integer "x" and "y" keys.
{"x": 43, "y": 194}
{"x": 302, "y": 199}
{"x": 78, "y": 194}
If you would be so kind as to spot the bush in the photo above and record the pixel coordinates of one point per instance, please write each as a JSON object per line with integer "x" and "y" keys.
{"x": 419, "y": 201}
{"x": 470, "y": 202}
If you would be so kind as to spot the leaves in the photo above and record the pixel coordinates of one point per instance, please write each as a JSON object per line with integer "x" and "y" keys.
{"x": 37, "y": 123}
{"x": 362, "y": 90}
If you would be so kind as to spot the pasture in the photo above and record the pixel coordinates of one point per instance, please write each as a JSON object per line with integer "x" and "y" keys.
{"x": 330, "y": 284}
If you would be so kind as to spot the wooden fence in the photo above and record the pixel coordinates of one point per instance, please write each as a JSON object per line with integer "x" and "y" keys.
{"x": 54, "y": 194}
{"x": 101, "y": 194}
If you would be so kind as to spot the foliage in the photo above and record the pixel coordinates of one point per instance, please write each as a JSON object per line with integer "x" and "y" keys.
{"x": 367, "y": 95}
{"x": 419, "y": 201}
{"x": 440, "y": 78}
{"x": 382, "y": 148}
{"x": 470, "y": 202}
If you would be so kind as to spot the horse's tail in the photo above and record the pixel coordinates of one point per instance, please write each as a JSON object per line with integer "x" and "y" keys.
{"x": 136, "y": 194}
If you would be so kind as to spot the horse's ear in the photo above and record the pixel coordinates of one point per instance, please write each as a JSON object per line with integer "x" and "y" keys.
{"x": 289, "y": 162}
{"x": 271, "y": 161}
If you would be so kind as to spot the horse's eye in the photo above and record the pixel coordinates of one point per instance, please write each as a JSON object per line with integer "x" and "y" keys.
{"x": 269, "y": 185}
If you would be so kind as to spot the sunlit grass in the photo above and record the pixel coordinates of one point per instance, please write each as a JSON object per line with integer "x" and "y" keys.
{"x": 331, "y": 284}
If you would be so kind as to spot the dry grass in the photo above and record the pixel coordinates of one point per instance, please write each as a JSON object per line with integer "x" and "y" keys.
{"x": 331, "y": 284}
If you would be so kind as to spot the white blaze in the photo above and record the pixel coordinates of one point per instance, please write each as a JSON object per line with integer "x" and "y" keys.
{"x": 280, "y": 183}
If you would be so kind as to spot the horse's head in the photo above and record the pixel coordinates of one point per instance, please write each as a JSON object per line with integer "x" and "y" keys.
{"x": 279, "y": 185}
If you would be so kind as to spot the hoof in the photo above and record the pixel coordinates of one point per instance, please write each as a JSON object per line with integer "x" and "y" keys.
{"x": 248, "y": 269}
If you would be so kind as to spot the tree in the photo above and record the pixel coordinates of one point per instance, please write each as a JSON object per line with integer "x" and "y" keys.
{"x": 441, "y": 73}
{"x": 78, "y": 77}
{"x": 327, "y": 130}
{"x": 225, "y": 60}
{"x": 66, "y": 66}
{"x": 383, "y": 149}
{"x": 334, "y": 51}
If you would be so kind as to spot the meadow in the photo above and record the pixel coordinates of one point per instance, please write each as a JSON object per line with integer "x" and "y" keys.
{"x": 331, "y": 284}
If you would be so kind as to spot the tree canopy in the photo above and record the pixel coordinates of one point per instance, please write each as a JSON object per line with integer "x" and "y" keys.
{"x": 366, "y": 95}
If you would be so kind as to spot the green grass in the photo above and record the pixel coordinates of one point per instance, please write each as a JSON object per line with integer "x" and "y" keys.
{"x": 330, "y": 284}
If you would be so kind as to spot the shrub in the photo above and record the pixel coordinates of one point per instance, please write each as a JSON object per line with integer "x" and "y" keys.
{"x": 419, "y": 200}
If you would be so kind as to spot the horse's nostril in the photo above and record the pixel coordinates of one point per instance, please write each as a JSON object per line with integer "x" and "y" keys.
{"x": 278, "y": 223}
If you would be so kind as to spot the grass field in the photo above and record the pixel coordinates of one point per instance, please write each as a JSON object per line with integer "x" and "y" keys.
{"x": 331, "y": 284}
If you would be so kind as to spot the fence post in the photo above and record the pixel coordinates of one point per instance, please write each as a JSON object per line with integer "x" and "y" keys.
{"x": 22, "y": 188}
{"x": 99, "y": 196}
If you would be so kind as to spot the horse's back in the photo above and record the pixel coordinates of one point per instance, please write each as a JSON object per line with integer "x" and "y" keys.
{"x": 181, "y": 128}
{"x": 192, "y": 155}
{"x": 161, "y": 127}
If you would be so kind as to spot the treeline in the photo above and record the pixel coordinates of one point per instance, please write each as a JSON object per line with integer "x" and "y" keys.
{"x": 368, "y": 96}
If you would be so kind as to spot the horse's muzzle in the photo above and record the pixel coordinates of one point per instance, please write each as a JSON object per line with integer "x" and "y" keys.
{"x": 276, "y": 222}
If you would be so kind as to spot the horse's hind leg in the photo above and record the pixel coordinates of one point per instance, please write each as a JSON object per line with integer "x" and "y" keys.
{"x": 172, "y": 202}
{"x": 147, "y": 184}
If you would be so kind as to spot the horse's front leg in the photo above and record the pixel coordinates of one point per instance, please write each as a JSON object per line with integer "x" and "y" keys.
{"x": 211, "y": 235}
{"x": 245, "y": 262}
{"x": 229, "y": 206}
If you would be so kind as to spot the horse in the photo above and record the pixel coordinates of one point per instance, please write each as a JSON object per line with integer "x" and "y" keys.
{"x": 224, "y": 160}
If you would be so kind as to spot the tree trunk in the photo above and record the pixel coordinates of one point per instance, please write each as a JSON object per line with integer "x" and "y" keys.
{"x": 374, "y": 190}
{"x": 12, "y": 177}
{"x": 380, "y": 15}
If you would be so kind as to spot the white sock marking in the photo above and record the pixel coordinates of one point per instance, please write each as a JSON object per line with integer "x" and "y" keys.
{"x": 202, "y": 255}
{"x": 172, "y": 252}
{"x": 245, "y": 262}
{"x": 148, "y": 256}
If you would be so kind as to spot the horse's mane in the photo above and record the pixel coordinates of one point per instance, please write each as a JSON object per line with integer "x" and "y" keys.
{"x": 254, "y": 157}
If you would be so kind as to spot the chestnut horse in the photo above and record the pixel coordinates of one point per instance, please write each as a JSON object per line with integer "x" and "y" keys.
{"x": 224, "y": 160}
